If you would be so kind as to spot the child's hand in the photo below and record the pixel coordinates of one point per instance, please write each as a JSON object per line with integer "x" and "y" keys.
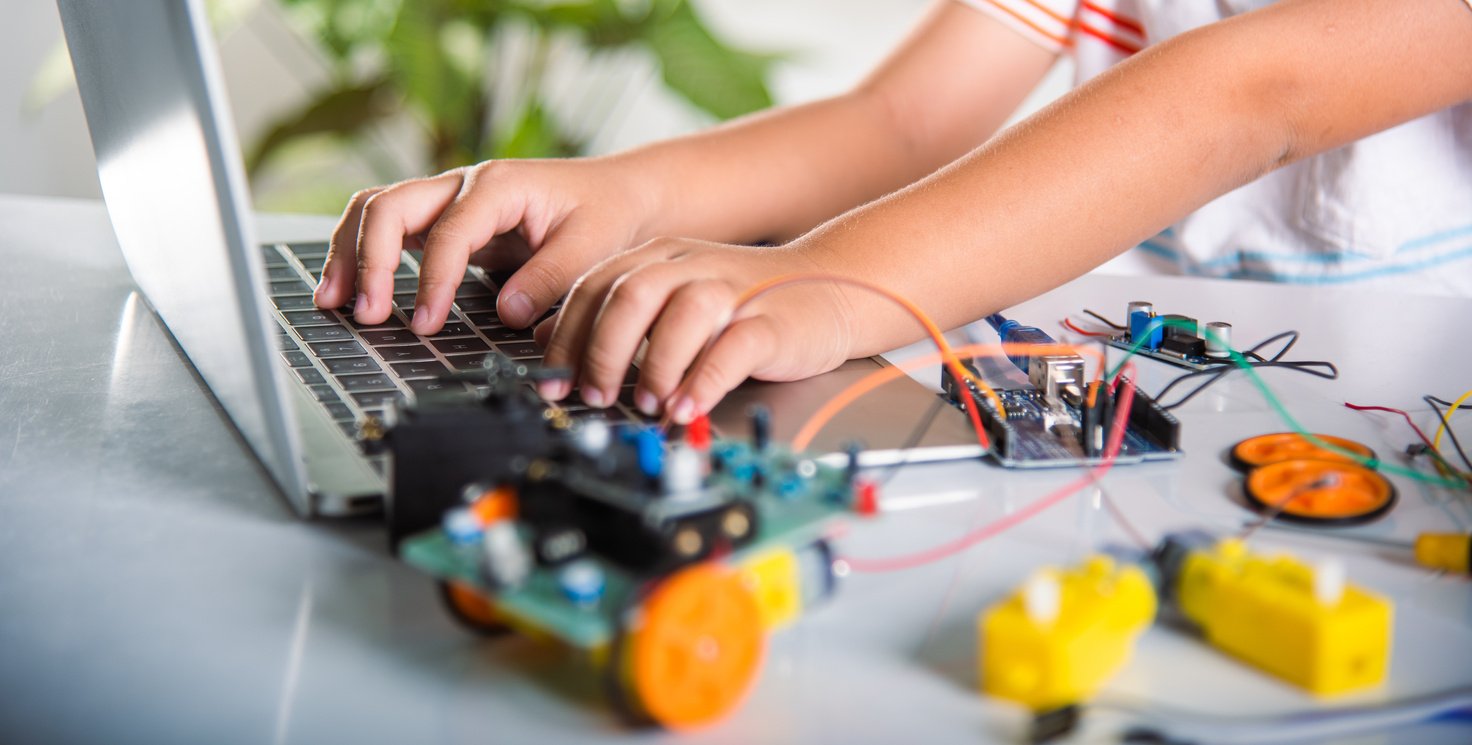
{"x": 570, "y": 214}
{"x": 677, "y": 293}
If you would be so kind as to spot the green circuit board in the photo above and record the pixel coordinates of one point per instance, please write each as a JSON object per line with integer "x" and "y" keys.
{"x": 796, "y": 499}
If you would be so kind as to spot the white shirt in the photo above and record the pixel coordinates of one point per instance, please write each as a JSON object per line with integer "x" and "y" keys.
{"x": 1393, "y": 210}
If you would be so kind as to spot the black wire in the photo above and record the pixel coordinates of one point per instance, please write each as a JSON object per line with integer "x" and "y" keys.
{"x": 1330, "y": 372}
{"x": 1446, "y": 403}
{"x": 1103, "y": 320}
{"x": 1447, "y": 425}
{"x": 1317, "y": 368}
{"x": 1228, "y": 365}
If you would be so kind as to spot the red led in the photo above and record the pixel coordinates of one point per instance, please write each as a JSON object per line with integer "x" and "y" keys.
{"x": 697, "y": 433}
{"x": 866, "y": 497}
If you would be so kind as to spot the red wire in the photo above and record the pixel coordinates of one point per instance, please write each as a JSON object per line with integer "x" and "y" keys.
{"x": 1403, "y": 414}
{"x": 991, "y": 530}
{"x": 1075, "y": 329}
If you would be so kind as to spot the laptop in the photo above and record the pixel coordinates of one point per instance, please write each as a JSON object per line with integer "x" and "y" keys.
{"x": 295, "y": 379}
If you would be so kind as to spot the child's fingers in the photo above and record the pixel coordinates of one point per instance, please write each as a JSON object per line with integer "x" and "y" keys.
{"x": 389, "y": 217}
{"x": 630, "y": 308}
{"x": 692, "y": 314}
{"x": 568, "y": 250}
{"x": 340, "y": 270}
{"x": 742, "y": 348}
{"x": 575, "y": 321}
{"x": 478, "y": 213}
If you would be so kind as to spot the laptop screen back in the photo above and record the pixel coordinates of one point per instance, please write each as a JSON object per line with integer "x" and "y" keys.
{"x": 171, "y": 176}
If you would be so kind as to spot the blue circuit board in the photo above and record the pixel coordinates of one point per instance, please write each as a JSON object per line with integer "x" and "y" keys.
{"x": 1024, "y": 440}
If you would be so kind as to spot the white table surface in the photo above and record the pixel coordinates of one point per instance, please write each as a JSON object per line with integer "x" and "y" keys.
{"x": 156, "y": 588}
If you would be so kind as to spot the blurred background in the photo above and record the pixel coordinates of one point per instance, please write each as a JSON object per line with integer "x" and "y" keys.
{"x": 330, "y": 96}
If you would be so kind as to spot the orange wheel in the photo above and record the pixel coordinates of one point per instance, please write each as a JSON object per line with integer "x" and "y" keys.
{"x": 473, "y": 610}
{"x": 1320, "y": 492}
{"x": 694, "y": 654}
{"x": 1263, "y": 450}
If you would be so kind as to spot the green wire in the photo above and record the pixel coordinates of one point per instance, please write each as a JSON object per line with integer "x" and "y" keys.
{"x": 1267, "y": 394}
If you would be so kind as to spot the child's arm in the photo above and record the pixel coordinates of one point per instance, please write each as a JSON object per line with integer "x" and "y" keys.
{"x": 1100, "y": 170}
{"x": 770, "y": 176}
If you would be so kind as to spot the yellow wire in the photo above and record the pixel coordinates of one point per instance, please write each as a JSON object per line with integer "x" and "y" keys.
{"x": 1441, "y": 428}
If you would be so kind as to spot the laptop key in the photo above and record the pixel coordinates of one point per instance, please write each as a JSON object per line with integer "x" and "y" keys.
{"x": 472, "y": 288}
{"x": 294, "y": 302}
{"x": 280, "y": 272}
{"x": 324, "y": 393}
{"x": 349, "y": 428}
{"x": 324, "y": 333}
{"x": 425, "y": 369}
{"x": 389, "y": 337}
{"x": 371, "y": 382}
{"x": 520, "y": 349}
{"x": 503, "y": 334}
{"x": 405, "y": 354}
{"x": 271, "y": 256}
{"x": 404, "y": 300}
{"x": 485, "y": 320}
{"x": 310, "y": 376}
{"x": 465, "y": 361}
{"x": 430, "y": 386}
{"x": 310, "y": 318}
{"x": 295, "y": 358}
{"x": 406, "y": 284}
{"x": 339, "y": 411}
{"x": 352, "y": 365}
{"x": 392, "y": 322}
{"x": 290, "y": 287}
{"x": 404, "y": 270}
{"x": 476, "y": 304}
{"x": 328, "y": 349}
{"x": 285, "y": 344}
{"x": 454, "y": 329}
{"x": 460, "y": 346}
{"x": 313, "y": 250}
{"x": 377, "y": 399}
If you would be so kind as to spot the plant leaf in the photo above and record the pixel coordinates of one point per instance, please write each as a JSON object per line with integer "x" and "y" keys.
{"x": 534, "y": 136}
{"x": 340, "y": 111}
{"x": 716, "y": 78}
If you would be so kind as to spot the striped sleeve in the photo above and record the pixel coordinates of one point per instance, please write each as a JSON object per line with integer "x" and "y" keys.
{"x": 1049, "y": 23}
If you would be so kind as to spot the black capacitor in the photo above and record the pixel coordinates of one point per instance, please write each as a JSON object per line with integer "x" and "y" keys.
{"x": 761, "y": 427}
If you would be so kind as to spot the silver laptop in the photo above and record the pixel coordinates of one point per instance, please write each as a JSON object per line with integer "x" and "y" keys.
{"x": 295, "y": 379}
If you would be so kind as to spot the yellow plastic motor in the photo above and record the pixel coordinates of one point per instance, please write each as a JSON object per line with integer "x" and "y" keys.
{"x": 1064, "y": 633}
{"x": 1304, "y": 624}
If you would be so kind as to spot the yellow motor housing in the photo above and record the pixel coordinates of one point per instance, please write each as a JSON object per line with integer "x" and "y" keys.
{"x": 1057, "y": 639}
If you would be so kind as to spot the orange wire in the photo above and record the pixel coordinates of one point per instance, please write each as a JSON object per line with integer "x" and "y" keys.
{"x": 948, "y": 356}
{"x": 1075, "y": 329}
{"x": 858, "y": 388}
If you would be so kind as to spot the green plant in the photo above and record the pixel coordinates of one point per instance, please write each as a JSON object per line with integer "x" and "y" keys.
{"x": 443, "y": 63}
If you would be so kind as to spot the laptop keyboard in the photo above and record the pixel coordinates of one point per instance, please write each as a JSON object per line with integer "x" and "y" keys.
{"x": 355, "y": 371}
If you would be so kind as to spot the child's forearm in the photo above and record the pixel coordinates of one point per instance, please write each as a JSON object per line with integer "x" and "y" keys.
{"x": 1124, "y": 156}
{"x": 775, "y": 175}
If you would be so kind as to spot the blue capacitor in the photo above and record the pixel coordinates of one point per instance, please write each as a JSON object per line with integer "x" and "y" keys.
{"x": 462, "y": 528}
{"x": 651, "y": 451}
{"x": 582, "y": 582}
{"x": 1139, "y": 324}
{"x": 790, "y": 486}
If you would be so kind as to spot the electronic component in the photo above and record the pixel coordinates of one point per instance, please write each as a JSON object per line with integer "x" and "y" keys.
{"x": 440, "y": 442}
{"x": 1030, "y": 435}
{"x": 1178, "y": 339}
{"x": 1061, "y": 421}
{"x": 1064, "y": 633}
{"x": 713, "y": 542}
{"x": 1305, "y": 624}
